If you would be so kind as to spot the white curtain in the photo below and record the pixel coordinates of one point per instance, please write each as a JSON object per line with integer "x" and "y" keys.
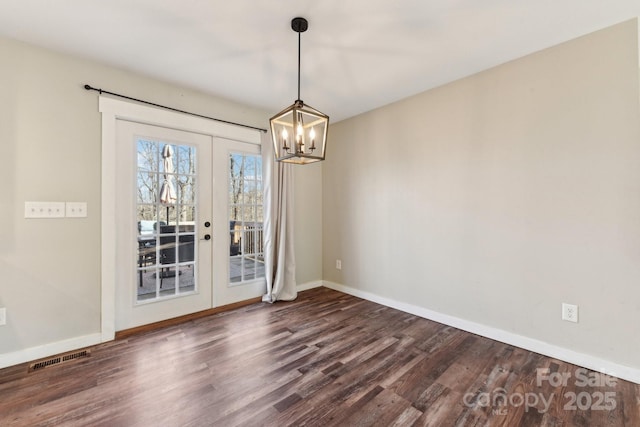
{"x": 280, "y": 262}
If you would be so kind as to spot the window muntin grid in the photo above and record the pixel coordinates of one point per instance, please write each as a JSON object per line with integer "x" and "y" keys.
{"x": 166, "y": 250}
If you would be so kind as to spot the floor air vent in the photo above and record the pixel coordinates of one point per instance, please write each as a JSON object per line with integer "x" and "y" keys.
{"x": 57, "y": 360}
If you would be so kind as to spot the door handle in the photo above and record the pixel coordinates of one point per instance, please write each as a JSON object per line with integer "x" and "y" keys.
{"x": 206, "y": 237}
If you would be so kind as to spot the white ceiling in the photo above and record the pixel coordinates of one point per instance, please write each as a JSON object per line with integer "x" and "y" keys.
{"x": 357, "y": 54}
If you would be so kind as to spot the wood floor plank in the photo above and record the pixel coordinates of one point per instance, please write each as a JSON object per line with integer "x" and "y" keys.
{"x": 325, "y": 359}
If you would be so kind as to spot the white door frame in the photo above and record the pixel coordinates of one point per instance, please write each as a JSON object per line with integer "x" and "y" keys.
{"x": 112, "y": 110}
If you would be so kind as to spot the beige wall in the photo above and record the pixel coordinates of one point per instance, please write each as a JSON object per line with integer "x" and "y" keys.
{"x": 308, "y": 223}
{"x": 50, "y": 140}
{"x": 498, "y": 197}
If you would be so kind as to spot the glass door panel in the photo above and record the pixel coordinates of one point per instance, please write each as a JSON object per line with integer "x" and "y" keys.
{"x": 166, "y": 219}
{"x": 246, "y": 253}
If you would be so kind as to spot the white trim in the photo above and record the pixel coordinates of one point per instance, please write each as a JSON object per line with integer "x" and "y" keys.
{"x": 46, "y": 350}
{"x": 309, "y": 285}
{"x": 113, "y": 110}
{"x": 561, "y": 353}
{"x": 108, "y": 227}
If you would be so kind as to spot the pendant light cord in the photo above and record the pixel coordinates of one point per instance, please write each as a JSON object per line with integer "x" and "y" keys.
{"x": 299, "y": 39}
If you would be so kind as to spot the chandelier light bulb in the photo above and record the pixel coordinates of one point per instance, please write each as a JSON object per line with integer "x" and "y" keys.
{"x": 312, "y": 137}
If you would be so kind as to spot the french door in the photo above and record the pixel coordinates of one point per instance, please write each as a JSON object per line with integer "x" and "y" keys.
{"x": 238, "y": 210}
{"x": 189, "y": 223}
{"x": 165, "y": 253}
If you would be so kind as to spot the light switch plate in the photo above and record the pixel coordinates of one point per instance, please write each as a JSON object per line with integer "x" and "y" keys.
{"x": 3, "y": 316}
{"x": 44, "y": 209}
{"x": 76, "y": 209}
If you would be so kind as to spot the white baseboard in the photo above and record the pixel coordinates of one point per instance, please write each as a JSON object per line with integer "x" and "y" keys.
{"x": 46, "y": 350}
{"x": 550, "y": 350}
{"x": 309, "y": 285}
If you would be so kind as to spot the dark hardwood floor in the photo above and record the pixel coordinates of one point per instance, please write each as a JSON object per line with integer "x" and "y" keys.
{"x": 325, "y": 359}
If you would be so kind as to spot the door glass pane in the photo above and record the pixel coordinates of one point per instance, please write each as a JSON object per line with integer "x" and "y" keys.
{"x": 166, "y": 214}
{"x": 246, "y": 253}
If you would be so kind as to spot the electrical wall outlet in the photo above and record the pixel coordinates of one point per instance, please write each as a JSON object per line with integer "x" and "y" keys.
{"x": 338, "y": 264}
{"x": 570, "y": 312}
{"x": 3, "y": 316}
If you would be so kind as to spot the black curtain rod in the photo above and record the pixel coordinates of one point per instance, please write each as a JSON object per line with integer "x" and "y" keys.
{"x": 87, "y": 87}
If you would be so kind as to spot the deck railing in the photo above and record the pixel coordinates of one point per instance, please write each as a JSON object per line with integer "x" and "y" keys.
{"x": 247, "y": 241}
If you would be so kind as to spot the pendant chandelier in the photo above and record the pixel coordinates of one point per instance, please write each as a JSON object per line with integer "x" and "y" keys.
{"x": 299, "y": 132}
